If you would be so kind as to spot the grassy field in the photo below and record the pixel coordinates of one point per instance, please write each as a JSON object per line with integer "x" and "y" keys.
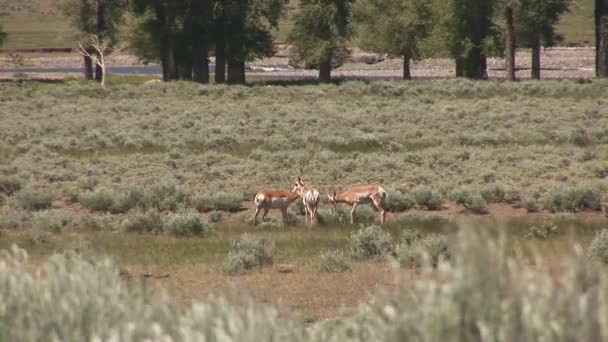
{"x": 35, "y": 23}
{"x": 160, "y": 178}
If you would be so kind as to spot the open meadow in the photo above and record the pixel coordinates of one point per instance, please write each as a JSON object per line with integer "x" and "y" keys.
{"x": 496, "y": 191}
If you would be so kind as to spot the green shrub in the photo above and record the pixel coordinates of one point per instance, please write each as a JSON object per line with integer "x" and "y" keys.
{"x": 216, "y": 216}
{"x": 530, "y": 204}
{"x": 35, "y": 199}
{"x": 164, "y": 196}
{"x": 398, "y": 201}
{"x": 580, "y": 137}
{"x": 15, "y": 218}
{"x": 329, "y": 217}
{"x": 247, "y": 253}
{"x": 598, "y": 249}
{"x": 572, "y": 199}
{"x": 471, "y": 201}
{"x": 10, "y": 184}
{"x": 185, "y": 223}
{"x": 101, "y": 199}
{"x": 226, "y": 201}
{"x": 542, "y": 231}
{"x": 98, "y": 222}
{"x": 149, "y": 221}
{"x": 427, "y": 198}
{"x": 433, "y": 247}
{"x": 333, "y": 262}
{"x": 494, "y": 192}
{"x": 51, "y": 220}
{"x": 371, "y": 243}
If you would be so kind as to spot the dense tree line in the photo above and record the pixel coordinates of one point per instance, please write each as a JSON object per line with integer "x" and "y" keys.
{"x": 183, "y": 34}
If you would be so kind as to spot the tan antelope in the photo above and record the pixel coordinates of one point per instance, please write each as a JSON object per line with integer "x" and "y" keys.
{"x": 273, "y": 199}
{"x": 364, "y": 194}
{"x": 310, "y": 198}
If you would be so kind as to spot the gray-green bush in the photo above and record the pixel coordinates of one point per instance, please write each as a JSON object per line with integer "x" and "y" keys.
{"x": 144, "y": 221}
{"x": 371, "y": 242}
{"x": 427, "y": 198}
{"x": 415, "y": 249}
{"x": 399, "y": 201}
{"x": 51, "y": 220}
{"x": 247, "y": 253}
{"x": 226, "y": 201}
{"x": 10, "y": 184}
{"x": 185, "y": 223}
{"x": 30, "y": 199}
{"x": 574, "y": 198}
{"x": 542, "y": 231}
{"x": 333, "y": 262}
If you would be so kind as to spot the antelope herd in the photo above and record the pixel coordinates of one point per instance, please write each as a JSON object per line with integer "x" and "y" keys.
{"x": 354, "y": 196}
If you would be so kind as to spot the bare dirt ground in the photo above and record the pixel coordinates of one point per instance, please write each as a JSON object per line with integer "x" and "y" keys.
{"x": 556, "y": 63}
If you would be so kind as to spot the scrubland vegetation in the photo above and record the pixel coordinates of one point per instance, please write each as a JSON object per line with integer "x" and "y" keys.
{"x": 164, "y": 175}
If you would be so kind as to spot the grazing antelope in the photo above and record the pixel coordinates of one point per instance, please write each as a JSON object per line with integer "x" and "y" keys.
{"x": 361, "y": 195}
{"x": 310, "y": 198}
{"x": 273, "y": 199}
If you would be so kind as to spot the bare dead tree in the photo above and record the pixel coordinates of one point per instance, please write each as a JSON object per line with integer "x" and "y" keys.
{"x": 97, "y": 50}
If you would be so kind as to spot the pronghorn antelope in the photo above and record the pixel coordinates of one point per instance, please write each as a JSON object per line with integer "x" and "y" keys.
{"x": 273, "y": 199}
{"x": 310, "y": 198}
{"x": 361, "y": 195}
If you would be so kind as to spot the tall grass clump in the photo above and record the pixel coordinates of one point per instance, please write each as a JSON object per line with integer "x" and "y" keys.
{"x": 371, "y": 242}
{"x": 30, "y": 199}
{"x": 598, "y": 249}
{"x": 185, "y": 223}
{"x": 82, "y": 297}
{"x": 333, "y": 262}
{"x": 247, "y": 253}
{"x": 483, "y": 294}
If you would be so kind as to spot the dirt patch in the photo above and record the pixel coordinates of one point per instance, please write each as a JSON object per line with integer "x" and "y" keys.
{"x": 303, "y": 291}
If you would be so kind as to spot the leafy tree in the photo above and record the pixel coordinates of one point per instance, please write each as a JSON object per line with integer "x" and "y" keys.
{"x": 101, "y": 18}
{"x": 321, "y": 29}
{"x": 535, "y": 26}
{"x": 465, "y": 30}
{"x": 601, "y": 36}
{"x": 394, "y": 26}
{"x": 247, "y": 34}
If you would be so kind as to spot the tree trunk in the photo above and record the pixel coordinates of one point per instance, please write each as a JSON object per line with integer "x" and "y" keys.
{"x": 459, "y": 63}
{"x": 325, "y": 71}
{"x": 407, "y": 74}
{"x": 236, "y": 72}
{"x": 201, "y": 63}
{"x": 200, "y": 35}
{"x": 101, "y": 32}
{"x": 536, "y": 57}
{"x": 474, "y": 65}
{"x": 161, "y": 17}
{"x": 88, "y": 68}
{"x": 220, "y": 50}
{"x": 509, "y": 45}
{"x": 601, "y": 38}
